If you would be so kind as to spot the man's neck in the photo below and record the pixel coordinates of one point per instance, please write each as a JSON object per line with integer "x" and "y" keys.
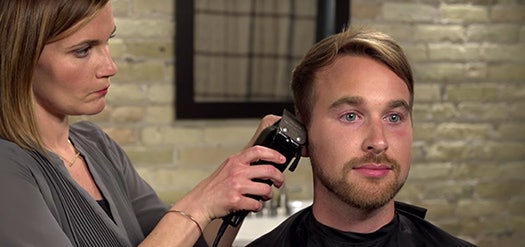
{"x": 332, "y": 212}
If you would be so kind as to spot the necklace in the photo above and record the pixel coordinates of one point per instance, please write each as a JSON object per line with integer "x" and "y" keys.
{"x": 77, "y": 153}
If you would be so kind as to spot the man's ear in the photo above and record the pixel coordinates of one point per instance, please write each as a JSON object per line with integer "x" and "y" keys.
{"x": 304, "y": 151}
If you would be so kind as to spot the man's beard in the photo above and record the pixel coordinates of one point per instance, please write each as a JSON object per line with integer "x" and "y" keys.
{"x": 365, "y": 193}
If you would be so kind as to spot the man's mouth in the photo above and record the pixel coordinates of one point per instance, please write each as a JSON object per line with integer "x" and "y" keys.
{"x": 373, "y": 170}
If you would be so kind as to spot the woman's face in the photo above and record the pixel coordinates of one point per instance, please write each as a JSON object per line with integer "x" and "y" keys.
{"x": 72, "y": 74}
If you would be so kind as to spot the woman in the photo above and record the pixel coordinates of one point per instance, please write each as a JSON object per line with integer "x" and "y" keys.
{"x": 65, "y": 185}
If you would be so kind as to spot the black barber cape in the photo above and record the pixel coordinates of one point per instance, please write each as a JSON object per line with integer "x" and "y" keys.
{"x": 408, "y": 228}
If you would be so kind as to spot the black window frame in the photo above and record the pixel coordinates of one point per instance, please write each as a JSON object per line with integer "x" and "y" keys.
{"x": 185, "y": 105}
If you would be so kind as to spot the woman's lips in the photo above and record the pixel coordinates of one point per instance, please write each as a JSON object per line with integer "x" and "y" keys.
{"x": 103, "y": 92}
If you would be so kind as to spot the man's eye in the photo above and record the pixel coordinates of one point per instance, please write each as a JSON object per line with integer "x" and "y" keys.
{"x": 350, "y": 117}
{"x": 394, "y": 118}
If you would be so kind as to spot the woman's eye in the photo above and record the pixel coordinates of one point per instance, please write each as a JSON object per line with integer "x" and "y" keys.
{"x": 83, "y": 52}
{"x": 350, "y": 117}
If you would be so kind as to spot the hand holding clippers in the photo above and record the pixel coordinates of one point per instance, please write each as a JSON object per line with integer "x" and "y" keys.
{"x": 287, "y": 136}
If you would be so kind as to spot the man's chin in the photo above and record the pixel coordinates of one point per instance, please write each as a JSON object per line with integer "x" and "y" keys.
{"x": 370, "y": 195}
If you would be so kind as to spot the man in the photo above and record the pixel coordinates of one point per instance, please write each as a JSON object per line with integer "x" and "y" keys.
{"x": 354, "y": 93}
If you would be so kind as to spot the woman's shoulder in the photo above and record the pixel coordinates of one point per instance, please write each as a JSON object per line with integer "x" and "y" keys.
{"x": 10, "y": 150}
{"x": 14, "y": 158}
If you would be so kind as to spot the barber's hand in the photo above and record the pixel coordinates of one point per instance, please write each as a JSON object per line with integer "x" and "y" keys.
{"x": 226, "y": 189}
{"x": 266, "y": 121}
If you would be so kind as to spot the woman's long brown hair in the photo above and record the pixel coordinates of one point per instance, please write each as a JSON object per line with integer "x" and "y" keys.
{"x": 26, "y": 26}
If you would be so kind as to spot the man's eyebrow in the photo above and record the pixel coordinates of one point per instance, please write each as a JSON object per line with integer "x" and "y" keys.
{"x": 348, "y": 100}
{"x": 356, "y": 101}
{"x": 400, "y": 103}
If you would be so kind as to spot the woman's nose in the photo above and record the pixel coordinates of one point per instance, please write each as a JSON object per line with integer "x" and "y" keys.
{"x": 108, "y": 67}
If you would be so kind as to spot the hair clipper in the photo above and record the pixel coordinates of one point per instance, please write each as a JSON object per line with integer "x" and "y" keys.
{"x": 287, "y": 136}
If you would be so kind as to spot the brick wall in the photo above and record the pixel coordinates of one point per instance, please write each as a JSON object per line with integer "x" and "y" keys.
{"x": 468, "y": 58}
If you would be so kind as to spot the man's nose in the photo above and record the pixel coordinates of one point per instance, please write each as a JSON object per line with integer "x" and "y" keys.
{"x": 375, "y": 140}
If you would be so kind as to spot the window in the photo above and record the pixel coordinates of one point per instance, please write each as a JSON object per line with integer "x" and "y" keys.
{"x": 234, "y": 57}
